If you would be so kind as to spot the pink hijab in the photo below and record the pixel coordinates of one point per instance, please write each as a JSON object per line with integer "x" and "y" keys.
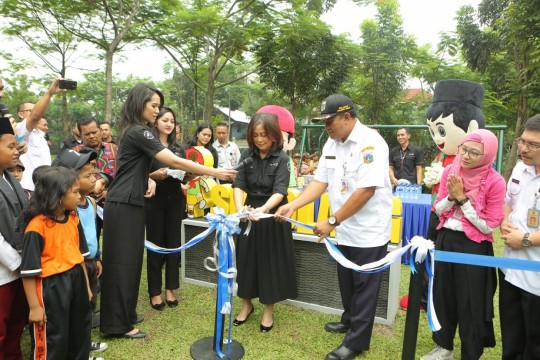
{"x": 473, "y": 178}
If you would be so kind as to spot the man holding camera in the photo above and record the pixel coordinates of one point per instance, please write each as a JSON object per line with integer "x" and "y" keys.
{"x": 38, "y": 150}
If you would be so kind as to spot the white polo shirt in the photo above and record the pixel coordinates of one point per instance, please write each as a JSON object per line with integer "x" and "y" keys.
{"x": 38, "y": 153}
{"x": 228, "y": 155}
{"x": 520, "y": 194}
{"x": 361, "y": 161}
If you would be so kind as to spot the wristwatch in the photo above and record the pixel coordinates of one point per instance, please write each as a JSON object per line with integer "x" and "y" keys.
{"x": 333, "y": 221}
{"x": 526, "y": 242}
{"x": 462, "y": 202}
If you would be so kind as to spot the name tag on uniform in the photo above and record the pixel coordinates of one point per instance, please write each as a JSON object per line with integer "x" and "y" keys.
{"x": 330, "y": 161}
{"x": 532, "y": 218}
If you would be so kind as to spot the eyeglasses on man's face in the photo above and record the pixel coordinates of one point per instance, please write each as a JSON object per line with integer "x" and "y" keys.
{"x": 473, "y": 154}
{"x": 532, "y": 146}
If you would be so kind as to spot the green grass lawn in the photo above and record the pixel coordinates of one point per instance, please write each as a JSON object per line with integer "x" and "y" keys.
{"x": 297, "y": 334}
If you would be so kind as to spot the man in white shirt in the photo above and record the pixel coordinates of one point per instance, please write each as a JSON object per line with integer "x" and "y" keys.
{"x": 228, "y": 152}
{"x": 354, "y": 169}
{"x": 519, "y": 290}
{"x": 38, "y": 150}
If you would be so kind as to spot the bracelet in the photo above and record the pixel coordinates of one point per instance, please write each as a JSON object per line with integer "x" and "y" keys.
{"x": 461, "y": 202}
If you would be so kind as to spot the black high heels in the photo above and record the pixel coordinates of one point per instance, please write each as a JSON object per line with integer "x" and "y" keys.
{"x": 237, "y": 322}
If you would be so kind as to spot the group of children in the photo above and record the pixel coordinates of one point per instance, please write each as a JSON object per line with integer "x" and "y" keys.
{"x": 49, "y": 256}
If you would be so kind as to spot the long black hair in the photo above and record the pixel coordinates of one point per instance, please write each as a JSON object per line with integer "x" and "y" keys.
{"x": 133, "y": 107}
{"x": 171, "y": 138}
{"x": 193, "y": 141}
{"x": 54, "y": 183}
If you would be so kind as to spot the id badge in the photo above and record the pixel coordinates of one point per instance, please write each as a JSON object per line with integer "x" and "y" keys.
{"x": 532, "y": 218}
{"x": 343, "y": 185}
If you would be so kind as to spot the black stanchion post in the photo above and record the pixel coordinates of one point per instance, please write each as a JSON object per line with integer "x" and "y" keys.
{"x": 413, "y": 313}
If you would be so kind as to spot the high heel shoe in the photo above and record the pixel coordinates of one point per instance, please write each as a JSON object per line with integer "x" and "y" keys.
{"x": 237, "y": 322}
{"x": 265, "y": 329}
{"x": 172, "y": 303}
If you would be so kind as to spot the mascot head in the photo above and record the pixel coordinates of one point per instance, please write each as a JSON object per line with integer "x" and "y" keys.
{"x": 286, "y": 124}
{"x": 456, "y": 110}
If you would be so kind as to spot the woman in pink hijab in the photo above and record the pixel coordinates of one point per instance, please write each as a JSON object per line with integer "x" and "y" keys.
{"x": 470, "y": 206}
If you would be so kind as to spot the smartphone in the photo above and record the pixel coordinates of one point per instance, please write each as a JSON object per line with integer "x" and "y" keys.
{"x": 67, "y": 84}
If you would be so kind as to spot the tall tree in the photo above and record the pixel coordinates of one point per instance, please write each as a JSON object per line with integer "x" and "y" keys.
{"x": 310, "y": 67}
{"x": 48, "y": 40}
{"x": 216, "y": 33}
{"x": 502, "y": 41}
{"x": 107, "y": 24}
{"x": 386, "y": 53}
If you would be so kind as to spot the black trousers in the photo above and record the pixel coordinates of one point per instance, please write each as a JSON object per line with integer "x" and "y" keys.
{"x": 163, "y": 229}
{"x": 66, "y": 334}
{"x": 359, "y": 294}
{"x": 91, "y": 270}
{"x": 463, "y": 295}
{"x": 122, "y": 258}
{"x": 520, "y": 322}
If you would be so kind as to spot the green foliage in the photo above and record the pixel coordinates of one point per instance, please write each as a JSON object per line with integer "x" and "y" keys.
{"x": 313, "y": 62}
{"x": 386, "y": 53}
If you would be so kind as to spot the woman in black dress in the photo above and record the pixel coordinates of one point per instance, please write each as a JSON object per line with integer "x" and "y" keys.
{"x": 124, "y": 218}
{"x": 204, "y": 136}
{"x": 164, "y": 211}
{"x": 265, "y": 258}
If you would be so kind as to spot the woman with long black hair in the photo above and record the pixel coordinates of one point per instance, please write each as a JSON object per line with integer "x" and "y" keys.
{"x": 124, "y": 219}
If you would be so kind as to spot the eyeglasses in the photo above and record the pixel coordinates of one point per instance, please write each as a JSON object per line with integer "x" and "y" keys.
{"x": 529, "y": 145}
{"x": 473, "y": 154}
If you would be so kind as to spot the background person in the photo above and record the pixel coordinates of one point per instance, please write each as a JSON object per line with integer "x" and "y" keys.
{"x": 469, "y": 204}
{"x": 106, "y": 133}
{"x": 265, "y": 257}
{"x": 204, "y": 136}
{"x": 13, "y": 305}
{"x": 38, "y": 150}
{"x": 519, "y": 291}
{"x": 406, "y": 160}
{"x": 228, "y": 152}
{"x": 71, "y": 141}
{"x": 354, "y": 169}
{"x": 123, "y": 233}
{"x": 164, "y": 212}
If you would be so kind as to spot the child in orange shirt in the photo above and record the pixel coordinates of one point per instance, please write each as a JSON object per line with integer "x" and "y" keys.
{"x": 53, "y": 269}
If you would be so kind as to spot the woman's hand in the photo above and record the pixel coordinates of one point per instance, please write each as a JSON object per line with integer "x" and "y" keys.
{"x": 99, "y": 268}
{"x": 37, "y": 315}
{"x": 151, "y": 191}
{"x": 159, "y": 174}
{"x": 456, "y": 190}
{"x": 260, "y": 210}
{"x": 225, "y": 174}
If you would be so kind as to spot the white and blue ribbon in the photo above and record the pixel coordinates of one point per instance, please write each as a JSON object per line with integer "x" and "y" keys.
{"x": 422, "y": 250}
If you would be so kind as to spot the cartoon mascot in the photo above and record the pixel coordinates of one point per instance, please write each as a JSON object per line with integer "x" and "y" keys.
{"x": 456, "y": 110}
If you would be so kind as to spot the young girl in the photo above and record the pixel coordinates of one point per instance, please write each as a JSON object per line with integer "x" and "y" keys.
{"x": 470, "y": 205}
{"x": 53, "y": 270}
{"x": 123, "y": 226}
{"x": 164, "y": 211}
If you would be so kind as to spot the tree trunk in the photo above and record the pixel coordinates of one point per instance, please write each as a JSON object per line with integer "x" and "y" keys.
{"x": 210, "y": 90}
{"x": 108, "y": 86}
{"x": 521, "y": 64}
{"x": 66, "y": 127}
